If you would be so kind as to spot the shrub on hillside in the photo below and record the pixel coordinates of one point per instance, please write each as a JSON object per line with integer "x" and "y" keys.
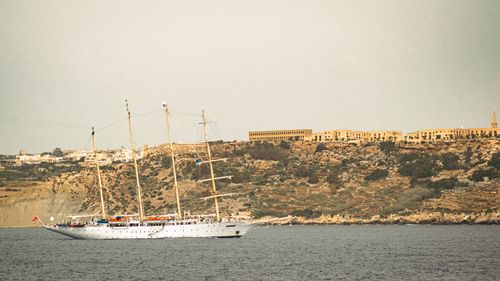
{"x": 412, "y": 198}
{"x": 446, "y": 183}
{"x": 306, "y": 213}
{"x": 495, "y": 161}
{"x": 313, "y": 177}
{"x": 237, "y": 178}
{"x": 480, "y": 174}
{"x": 387, "y": 146}
{"x": 320, "y": 147}
{"x": 261, "y": 181}
{"x": 266, "y": 151}
{"x": 423, "y": 166}
{"x": 201, "y": 172}
{"x": 302, "y": 172}
{"x": 377, "y": 174}
{"x": 450, "y": 161}
{"x": 166, "y": 162}
{"x": 285, "y": 145}
{"x": 240, "y": 152}
{"x": 334, "y": 177}
{"x": 283, "y": 163}
{"x": 468, "y": 154}
{"x": 407, "y": 157}
{"x": 273, "y": 213}
{"x": 187, "y": 170}
{"x": 12, "y": 174}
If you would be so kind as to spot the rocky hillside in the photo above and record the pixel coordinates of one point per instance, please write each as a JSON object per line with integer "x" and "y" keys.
{"x": 313, "y": 183}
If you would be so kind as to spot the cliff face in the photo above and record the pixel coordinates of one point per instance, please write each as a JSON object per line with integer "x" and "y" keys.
{"x": 57, "y": 197}
{"x": 316, "y": 183}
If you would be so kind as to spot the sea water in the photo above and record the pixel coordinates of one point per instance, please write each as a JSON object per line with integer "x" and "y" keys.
{"x": 370, "y": 252}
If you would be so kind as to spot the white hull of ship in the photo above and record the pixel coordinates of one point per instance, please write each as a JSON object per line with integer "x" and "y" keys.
{"x": 219, "y": 230}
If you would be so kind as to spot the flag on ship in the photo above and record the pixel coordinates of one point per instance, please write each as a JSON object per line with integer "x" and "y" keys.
{"x": 34, "y": 219}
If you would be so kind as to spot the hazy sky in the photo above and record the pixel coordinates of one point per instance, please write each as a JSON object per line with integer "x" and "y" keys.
{"x": 252, "y": 65}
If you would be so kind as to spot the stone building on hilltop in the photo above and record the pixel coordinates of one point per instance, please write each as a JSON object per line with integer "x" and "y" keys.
{"x": 357, "y": 136}
{"x": 432, "y": 135}
{"x": 420, "y": 136}
{"x": 281, "y": 135}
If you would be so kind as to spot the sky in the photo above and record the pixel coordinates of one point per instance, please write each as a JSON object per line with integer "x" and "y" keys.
{"x": 66, "y": 66}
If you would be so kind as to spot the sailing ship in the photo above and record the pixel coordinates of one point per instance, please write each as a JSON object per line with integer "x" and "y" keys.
{"x": 140, "y": 226}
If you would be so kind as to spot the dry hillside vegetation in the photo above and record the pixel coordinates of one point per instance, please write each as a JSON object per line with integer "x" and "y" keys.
{"x": 306, "y": 180}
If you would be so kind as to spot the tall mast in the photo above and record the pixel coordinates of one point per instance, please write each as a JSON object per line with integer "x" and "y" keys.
{"x": 167, "y": 114}
{"x": 212, "y": 178}
{"x": 98, "y": 174}
{"x": 139, "y": 195}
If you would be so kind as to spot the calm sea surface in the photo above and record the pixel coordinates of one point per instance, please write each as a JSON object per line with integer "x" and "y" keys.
{"x": 398, "y": 252}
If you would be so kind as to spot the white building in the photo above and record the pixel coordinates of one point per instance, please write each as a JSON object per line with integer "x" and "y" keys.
{"x": 36, "y": 159}
{"x": 102, "y": 159}
{"x": 76, "y": 155}
{"x": 125, "y": 155}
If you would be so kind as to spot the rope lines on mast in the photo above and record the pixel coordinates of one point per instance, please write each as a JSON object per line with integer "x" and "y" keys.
{"x": 111, "y": 125}
{"x": 147, "y": 113}
{"x": 197, "y": 115}
{"x": 115, "y": 125}
{"x": 179, "y": 132}
{"x": 125, "y": 119}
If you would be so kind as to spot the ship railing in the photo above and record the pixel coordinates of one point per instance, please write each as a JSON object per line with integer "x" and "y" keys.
{"x": 82, "y": 216}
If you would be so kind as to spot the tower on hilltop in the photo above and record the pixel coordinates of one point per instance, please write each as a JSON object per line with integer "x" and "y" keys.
{"x": 494, "y": 123}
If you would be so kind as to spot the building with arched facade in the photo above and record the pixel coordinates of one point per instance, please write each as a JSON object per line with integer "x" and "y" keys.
{"x": 281, "y": 135}
{"x": 433, "y": 135}
{"x": 420, "y": 136}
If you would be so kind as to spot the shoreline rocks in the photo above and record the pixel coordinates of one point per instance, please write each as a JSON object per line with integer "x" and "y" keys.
{"x": 416, "y": 218}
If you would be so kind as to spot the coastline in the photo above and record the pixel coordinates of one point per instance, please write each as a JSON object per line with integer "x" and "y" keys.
{"x": 424, "y": 218}
{"x": 417, "y": 218}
